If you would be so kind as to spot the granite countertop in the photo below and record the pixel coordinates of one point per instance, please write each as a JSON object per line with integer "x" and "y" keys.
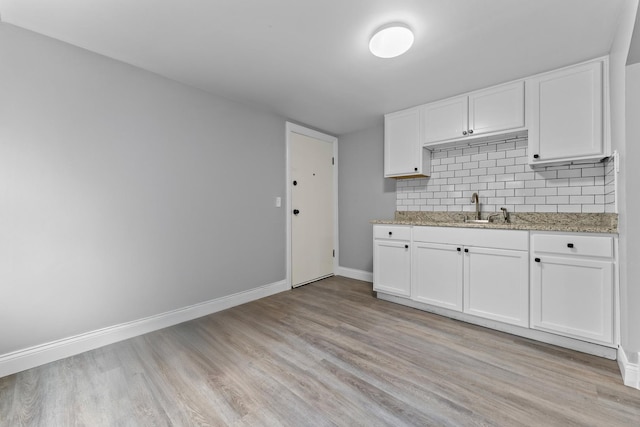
{"x": 570, "y": 222}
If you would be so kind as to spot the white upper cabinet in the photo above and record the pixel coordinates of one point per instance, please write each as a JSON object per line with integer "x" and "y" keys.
{"x": 566, "y": 114}
{"x": 497, "y": 109}
{"x": 403, "y": 152}
{"x": 446, "y": 119}
{"x": 493, "y": 110}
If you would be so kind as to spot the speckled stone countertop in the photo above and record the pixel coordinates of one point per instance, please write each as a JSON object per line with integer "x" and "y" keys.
{"x": 570, "y": 222}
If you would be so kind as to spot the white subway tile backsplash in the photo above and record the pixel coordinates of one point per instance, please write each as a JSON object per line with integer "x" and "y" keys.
{"x": 551, "y": 191}
{"x": 593, "y": 208}
{"x": 547, "y": 208}
{"x": 500, "y": 174}
{"x": 514, "y": 184}
{"x": 582, "y": 200}
{"x": 570, "y": 208}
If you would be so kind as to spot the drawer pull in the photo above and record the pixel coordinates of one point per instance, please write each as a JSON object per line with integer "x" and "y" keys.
{"x": 390, "y": 233}
{"x": 537, "y": 259}
{"x": 406, "y": 246}
{"x": 466, "y": 250}
{"x": 459, "y": 249}
{"x": 570, "y": 245}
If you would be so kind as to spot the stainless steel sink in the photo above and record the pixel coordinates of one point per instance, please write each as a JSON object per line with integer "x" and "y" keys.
{"x": 477, "y": 221}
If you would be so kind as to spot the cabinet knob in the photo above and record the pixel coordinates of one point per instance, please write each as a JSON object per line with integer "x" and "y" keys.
{"x": 464, "y": 132}
{"x": 466, "y": 250}
{"x": 470, "y": 131}
{"x": 537, "y": 259}
{"x": 296, "y": 211}
{"x": 459, "y": 249}
{"x": 390, "y": 233}
{"x": 415, "y": 169}
{"x": 536, "y": 156}
{"x": 406, "y": 246}
{"x": 570, "y": 245}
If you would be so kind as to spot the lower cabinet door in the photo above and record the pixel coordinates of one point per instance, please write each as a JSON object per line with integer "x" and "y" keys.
{"x": 392, "y": 267}
{"x": 437, "y": 275}
{"x": 496, "y": 283}
{"x": 573, "y": 297}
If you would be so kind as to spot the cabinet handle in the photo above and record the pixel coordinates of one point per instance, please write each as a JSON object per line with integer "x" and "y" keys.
{"x": 570, "y": 245}
{"x": 536, "y": 156}
{"x": 390, "y": 233}
{"x": 470, "y": 131}
{"x": 459, "y": 249}
{"x": 537, "y": 259}
{"x": 415, "y": 169}
{"x": 296, "y": 211}
{"x": 406, "y": 246}
{"x": 464, "y": 132}
{"x": 466, "y": 250}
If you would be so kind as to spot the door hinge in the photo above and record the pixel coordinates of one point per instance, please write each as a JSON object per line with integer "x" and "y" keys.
{"x": 334, "y": 253}
{"x": 333, "y": 160}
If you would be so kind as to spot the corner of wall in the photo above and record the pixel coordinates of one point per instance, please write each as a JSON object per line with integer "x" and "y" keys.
{"x": 353, "y": 273}
{"x": 629, "y": 368}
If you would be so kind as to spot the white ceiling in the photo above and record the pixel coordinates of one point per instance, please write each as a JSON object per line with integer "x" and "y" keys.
{"x": 308, "y": 60}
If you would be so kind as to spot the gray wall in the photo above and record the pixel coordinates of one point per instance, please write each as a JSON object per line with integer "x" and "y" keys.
{"x": 124, "y": 194}
{"x": 632, "y": 238}
{"x": 364, "y": 194}
{"x": 629, "y": 313}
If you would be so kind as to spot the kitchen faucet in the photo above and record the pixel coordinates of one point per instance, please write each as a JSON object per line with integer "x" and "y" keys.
{"x": 474, "y": 198}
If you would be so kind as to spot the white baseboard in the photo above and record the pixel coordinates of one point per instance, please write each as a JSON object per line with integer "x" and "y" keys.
{"x": 352, "y": 273}
{"x": 31, "y": 357}
{"x": 630, "y": 371}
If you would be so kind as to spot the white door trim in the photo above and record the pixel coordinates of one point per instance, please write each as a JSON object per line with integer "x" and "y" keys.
{"x": 294, "y": 128}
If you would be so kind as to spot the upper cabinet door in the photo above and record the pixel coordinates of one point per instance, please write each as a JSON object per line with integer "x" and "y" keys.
{"x": 445, "y": 120}
{"x": 403, "y": 156}
{"x": 566, "y": 114}
{"x": 496, "y": 109}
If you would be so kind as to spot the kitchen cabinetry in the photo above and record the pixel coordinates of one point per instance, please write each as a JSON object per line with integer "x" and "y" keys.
{"x": 492, "y": 110}
{"x": 572, "y": 285}
{"x": 437, "y": 275}
{"x": 403, "y": 152}
{"x": 566, "y": 114}
{"x": 392, "y": 259}
{"x": 496, "y": 284}
{"x": 480, "y": 272}
{"x": 549, "y": 286}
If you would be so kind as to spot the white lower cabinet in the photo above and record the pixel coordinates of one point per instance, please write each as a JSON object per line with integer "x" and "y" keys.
{"x": 489, "y": 281}
{"x": 392, "y": 260}
{"x": 437, "y": 275}
{"x": 572, "y": 292}
{"x": 553, "y": 284}
{"x": 496, "y": 284}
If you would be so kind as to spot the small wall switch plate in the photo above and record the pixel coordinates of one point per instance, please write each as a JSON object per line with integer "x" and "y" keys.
{"x": 278, "y": 202}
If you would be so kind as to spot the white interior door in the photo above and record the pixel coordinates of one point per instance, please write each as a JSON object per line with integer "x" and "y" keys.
{"x": 312, "y": 204}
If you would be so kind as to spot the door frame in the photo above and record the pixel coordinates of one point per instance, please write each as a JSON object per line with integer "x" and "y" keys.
{"x": 294, "y": 128}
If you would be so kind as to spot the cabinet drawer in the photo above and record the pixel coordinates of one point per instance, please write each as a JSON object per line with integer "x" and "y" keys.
{"x": 392, "y": 232}
{"x": 569, "y": 244}
{"x": 501, "y": 239}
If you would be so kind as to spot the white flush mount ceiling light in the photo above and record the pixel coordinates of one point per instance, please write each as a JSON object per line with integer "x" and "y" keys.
{"x": 391, "y": 40}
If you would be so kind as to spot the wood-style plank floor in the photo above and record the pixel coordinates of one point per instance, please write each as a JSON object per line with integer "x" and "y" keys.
{"x": 328, "y": 353}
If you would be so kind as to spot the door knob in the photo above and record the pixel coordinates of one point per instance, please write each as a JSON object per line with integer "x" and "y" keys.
{"x": 296, "y": 211}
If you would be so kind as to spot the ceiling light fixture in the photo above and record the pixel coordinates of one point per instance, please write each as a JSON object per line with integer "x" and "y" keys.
{"x": 391, "y": 40}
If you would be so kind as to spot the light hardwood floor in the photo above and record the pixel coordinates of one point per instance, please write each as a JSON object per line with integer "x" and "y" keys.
{"x": 328, "y": 353}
